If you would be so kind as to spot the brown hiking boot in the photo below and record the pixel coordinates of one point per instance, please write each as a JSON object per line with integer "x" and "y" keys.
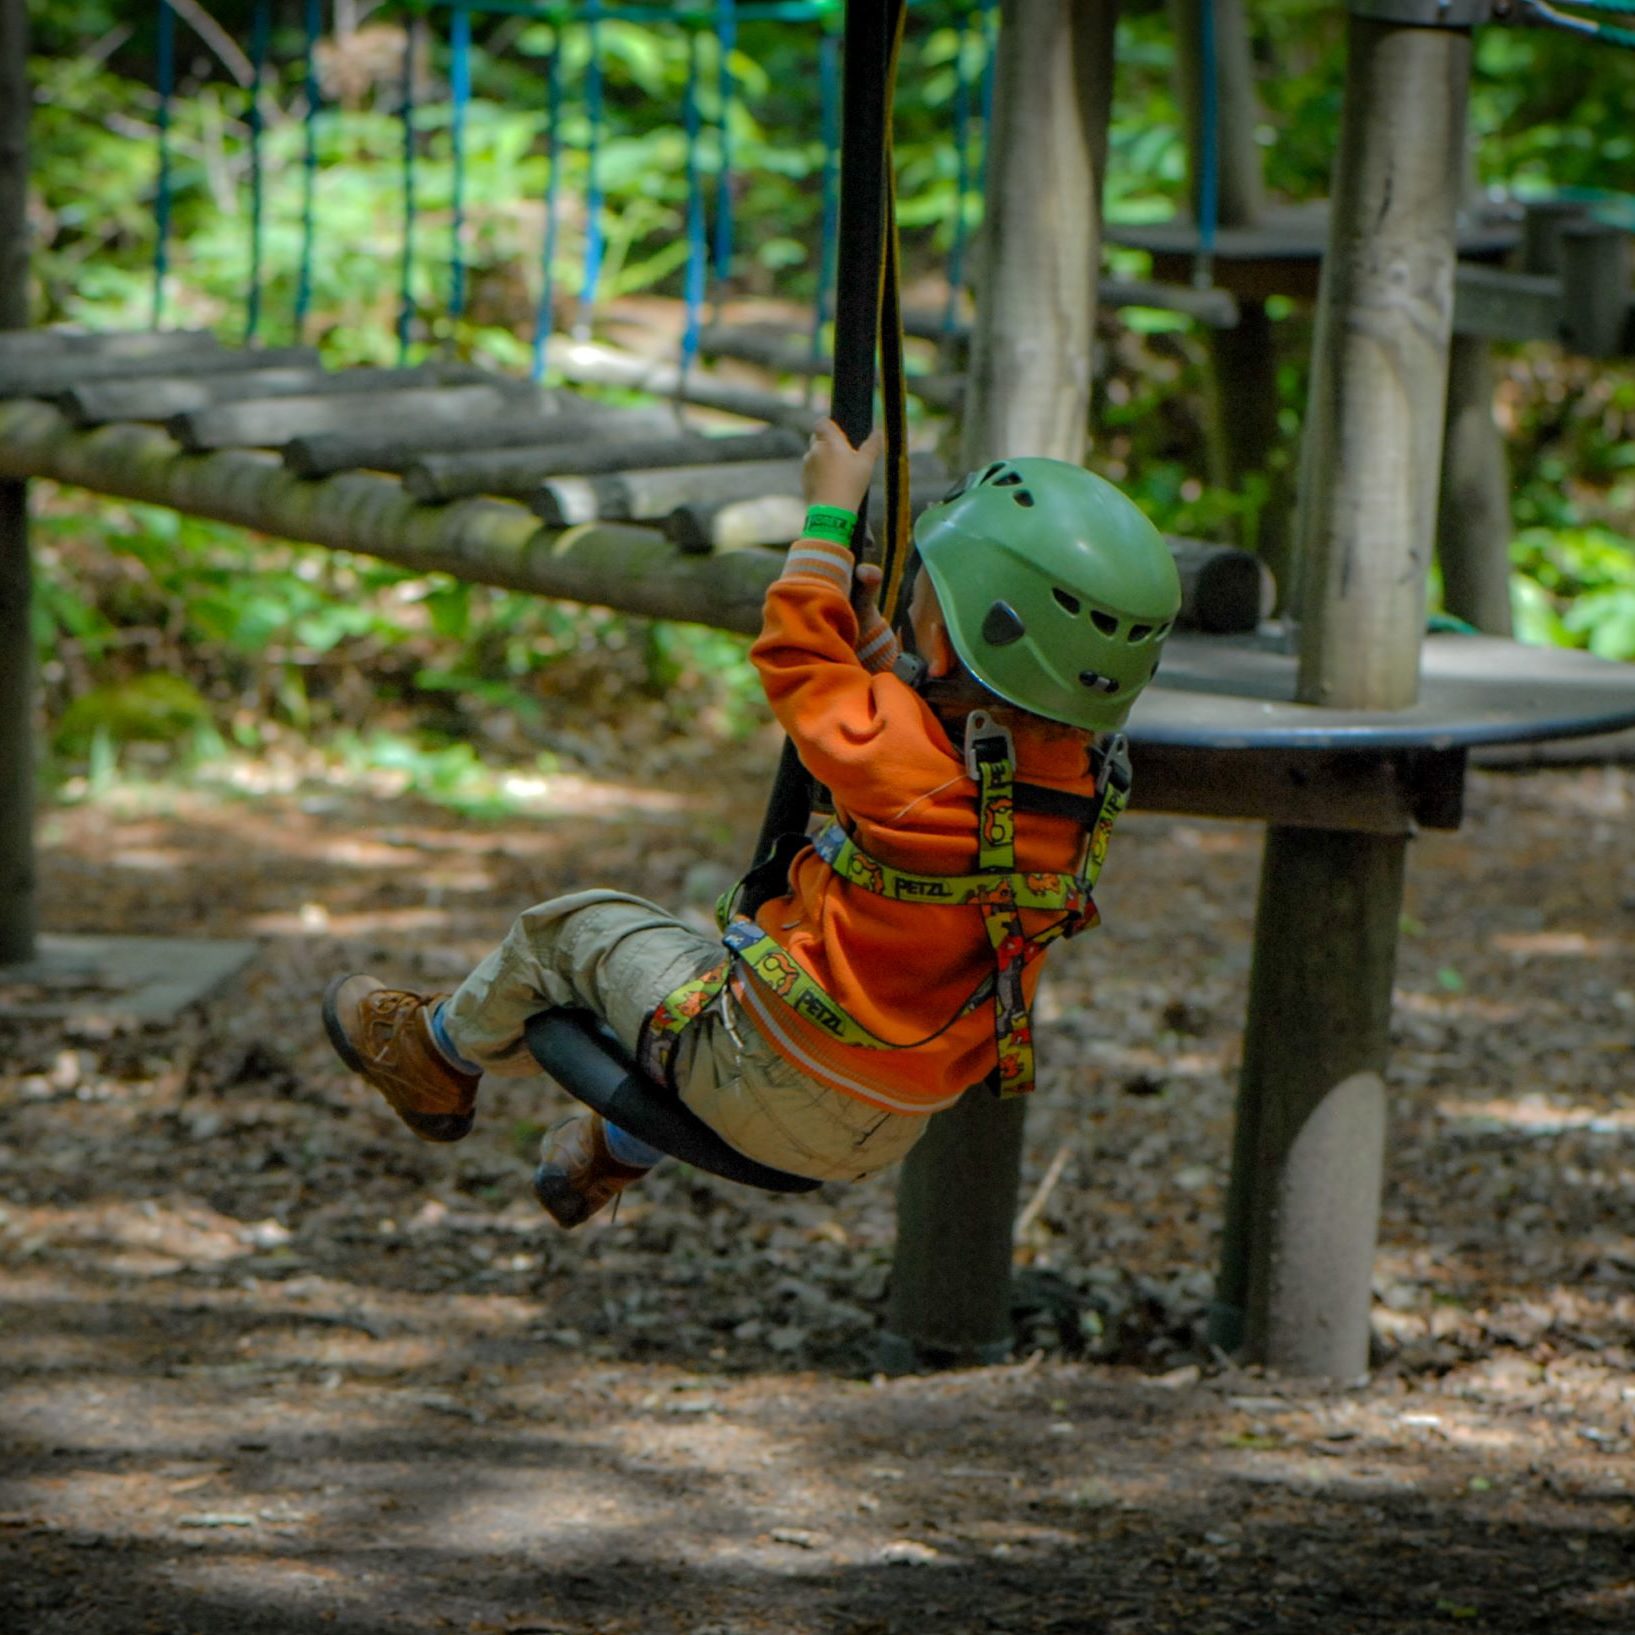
{"x": 577, "y": 1175}
{"x": 384, "y": 1035}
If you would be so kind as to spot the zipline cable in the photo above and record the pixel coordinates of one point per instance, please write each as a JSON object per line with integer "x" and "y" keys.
{"x": 1542, "y": 12}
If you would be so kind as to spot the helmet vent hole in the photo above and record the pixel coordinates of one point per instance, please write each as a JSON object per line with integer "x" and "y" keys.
{"x": 1002, "y": 625}
{"x": 1106, "y": 623}
{"x": 1008, "y": 479}
{"x": 1140, "y": 632}
{"x": 992, "y": 472}
{"x": 1022, "y": 497}
{"x": 1164, "y": 629}
{"x": 1066, "y": 600}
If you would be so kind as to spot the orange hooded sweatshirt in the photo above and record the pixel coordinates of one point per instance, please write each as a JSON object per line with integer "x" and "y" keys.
{"x": 900, "y": 789}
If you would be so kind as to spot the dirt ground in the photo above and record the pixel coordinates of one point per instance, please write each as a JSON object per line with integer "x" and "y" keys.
{"x": 269, "y": 1365}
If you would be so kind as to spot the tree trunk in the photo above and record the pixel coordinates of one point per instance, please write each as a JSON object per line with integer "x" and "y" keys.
{"x": 1029, "y": 392}
{"x": 19, "y": 923}
{"x": 519, "y": 472}
{"x": 18, "y": 913}
{"x": 1303, "y": 1205}
{"x": 1029, "y": 384}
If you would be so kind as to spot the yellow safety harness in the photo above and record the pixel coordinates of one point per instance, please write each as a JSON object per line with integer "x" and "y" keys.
{"x": 997, "y": 889}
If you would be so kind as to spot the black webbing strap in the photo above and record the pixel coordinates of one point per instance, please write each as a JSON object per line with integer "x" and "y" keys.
{"x": 867, "y": 315}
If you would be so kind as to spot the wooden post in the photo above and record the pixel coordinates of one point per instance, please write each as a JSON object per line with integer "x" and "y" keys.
{"x": 1380, "y": 369}
{"x": 18, "y": 914}
{"x": 1243, "y": 405}
{"x": 1303, "y": 1219}
{"x": 1473, "y": 508}
{"x": 1029, "y": 393}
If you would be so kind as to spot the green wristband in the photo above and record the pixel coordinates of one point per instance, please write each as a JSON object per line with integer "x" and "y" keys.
{"x": 831, "y": 522}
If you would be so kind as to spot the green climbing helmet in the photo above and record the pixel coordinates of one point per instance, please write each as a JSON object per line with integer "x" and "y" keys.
{"x": 1057, "y": 590}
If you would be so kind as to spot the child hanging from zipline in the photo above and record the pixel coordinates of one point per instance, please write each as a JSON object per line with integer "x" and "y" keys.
{"x": 974, "y": 785}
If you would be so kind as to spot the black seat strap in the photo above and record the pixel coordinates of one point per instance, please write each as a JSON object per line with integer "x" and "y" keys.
{"x": 586, "y": 1059}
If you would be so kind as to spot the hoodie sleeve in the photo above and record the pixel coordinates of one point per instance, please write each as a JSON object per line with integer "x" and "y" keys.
{"x": 857, "y": 727}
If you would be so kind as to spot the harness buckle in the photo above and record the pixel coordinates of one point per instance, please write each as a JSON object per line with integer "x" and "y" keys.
{"x": 1115, "y": 763}
{"x": 986, "y": 740}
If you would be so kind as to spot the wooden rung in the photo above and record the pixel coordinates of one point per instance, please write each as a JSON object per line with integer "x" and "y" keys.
{"x": 782, "y": 351}
{"x": 589, "y": 363}
{"x": 774, "y": 520}
{"x": 37, "y": 345}
{"x": 158, "y": 398}
{"x": 270, "y": 422}
{"x": 519, "y": 472}
{"x": 650, "y": 495}
{"x": 564, "y": 418}
{"x": 51, "y": 377}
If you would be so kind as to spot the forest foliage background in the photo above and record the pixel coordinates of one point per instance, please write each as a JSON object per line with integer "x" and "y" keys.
{"x": 157, "y": 630}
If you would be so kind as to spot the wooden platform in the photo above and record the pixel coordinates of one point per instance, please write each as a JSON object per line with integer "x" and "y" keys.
{"x": 1280, "y": 255}
{"x": 121, "y": 981}
{"x": 1219, "y": 733}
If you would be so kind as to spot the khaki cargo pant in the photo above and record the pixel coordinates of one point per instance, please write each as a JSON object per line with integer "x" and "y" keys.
{"x": 619, "y": 956}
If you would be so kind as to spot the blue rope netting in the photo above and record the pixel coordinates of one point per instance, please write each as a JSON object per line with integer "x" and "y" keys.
{"x": 710, "y": 248}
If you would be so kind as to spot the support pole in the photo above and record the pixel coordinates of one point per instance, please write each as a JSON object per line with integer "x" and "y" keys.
{"x": 1304, "y": 1202}
{"x": 1029, "y": 393}
{"x": 18, "y": 913}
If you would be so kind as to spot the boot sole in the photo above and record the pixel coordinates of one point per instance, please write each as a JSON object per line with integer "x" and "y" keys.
{"x": 428, "y": 1126}
{"x": 560, "y": 1201}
